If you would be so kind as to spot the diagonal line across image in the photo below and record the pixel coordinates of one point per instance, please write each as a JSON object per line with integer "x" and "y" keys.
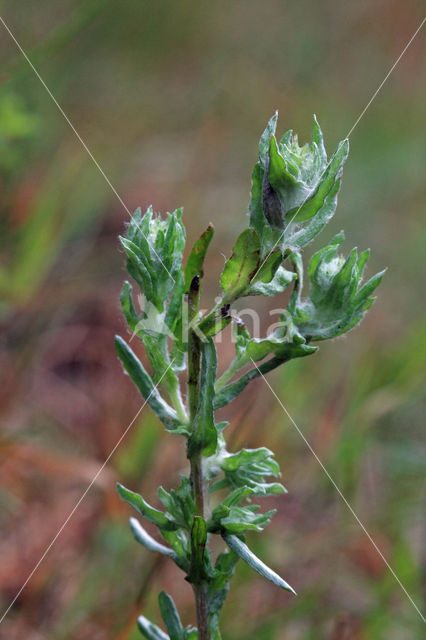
{"x": 80, "y": 139}
{"x": 83, "y": 495}
{"x": 361, "y": 115}
{"x": 299, "y": 431}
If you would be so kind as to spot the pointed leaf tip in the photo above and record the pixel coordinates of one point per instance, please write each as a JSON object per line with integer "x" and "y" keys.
{"x": 243, "y": 551}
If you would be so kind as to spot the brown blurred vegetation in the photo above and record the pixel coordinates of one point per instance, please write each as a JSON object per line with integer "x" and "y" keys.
{"x": 171, "y": 98}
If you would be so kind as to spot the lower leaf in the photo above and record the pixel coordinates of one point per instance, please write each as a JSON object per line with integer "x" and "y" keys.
{"x": 150, "y": 630}
{"x": 241, "y": 549}
{"x": 171, "y": 617}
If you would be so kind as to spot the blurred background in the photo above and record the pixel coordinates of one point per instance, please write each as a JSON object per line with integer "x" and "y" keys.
{"x": 171, "y": 98}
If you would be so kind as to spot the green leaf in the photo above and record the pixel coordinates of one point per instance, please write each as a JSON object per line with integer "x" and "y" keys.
{"x": 218, "y": 587}
{"x": 199, "y": 569}
{"x": 178, "y": 540}
{"x": 272, "y": 206}
{"x": 180, "y": 503}
{"x": 367, "y": 289}
{"x": 194, "y": 265}
{"x": 268, "y": 236}
{"x": 302, "y": 237}
{"x": 294, "y": 172}
{"x": 279, "y": 177}
{"x": 199, "y": 536}
{"x": 173, "y": 317}
{"x": 333, "y": 172}
{"x": 161, "y": 520}
{"x": 271, "y": 278}
{"x": 230, "y": 517}
{"x": 238, "y": 520}
{"x": 336, "y": 301}
{"x": 154, "y": 248}
{"x": 142, "y": 380}
{"x": 268, "y": 268}
{"x": 242, "y": 550}
{"x": 293, "y": 184}
{"x": 204, "y": 435}
{"x": 266, "y": 136}
{"x": 140, "y": 270}
{"x": 156, "y": 349}
{"x": 260, "y": 348}
{"x": 327, "y": 253}
{"x": 318, "y": 139}
{"x": 149, "y": 543}
{"x": 248, "y": 468}
{"x": 225, "y": 564}
{"x": 128, "y": 307}
{"x": 257, "y": 217}
{"x": 177, "y": 554}
{"x": 150, "y": 630}
{"x": 171, "y": 617}
{"x": 241, "y": 266}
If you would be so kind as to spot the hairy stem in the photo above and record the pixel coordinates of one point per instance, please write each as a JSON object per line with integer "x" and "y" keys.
{"x": 197, "y": 483}
{"x": 196, "y": 462}
{"x": 234, "y": 367}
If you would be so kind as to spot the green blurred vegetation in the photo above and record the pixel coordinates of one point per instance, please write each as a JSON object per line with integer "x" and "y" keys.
{"x": 171, "y": 98}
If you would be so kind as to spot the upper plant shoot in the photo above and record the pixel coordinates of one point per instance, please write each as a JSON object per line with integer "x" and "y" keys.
{"x": 293, "y": 196}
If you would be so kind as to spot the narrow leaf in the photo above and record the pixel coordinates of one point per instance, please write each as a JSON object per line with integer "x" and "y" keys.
{"x": 171, "y": 617}
{"x": 257, "y": 217}
{"x": 142, "y": 380}
{"x": 204, "y": 433}
{"x": 194, "y": 265}
{"x": 150, "y": 630}
{"x": 128, "y": 307}
{"x": 138, "y": 269}
{"x": 242, "y": 550}
{"x": 160, "y": 519}
{"x": 368, "y": 288}
{"x": 149, "y": 543}
{"x": 173, "y": 317}
{"x": 198, "y": 545}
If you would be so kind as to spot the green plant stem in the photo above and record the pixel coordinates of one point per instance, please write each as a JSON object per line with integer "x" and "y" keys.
{"x": 197, "y": 480}
{"x": 233, "y": 369}
{"x": 196, "y": 462}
